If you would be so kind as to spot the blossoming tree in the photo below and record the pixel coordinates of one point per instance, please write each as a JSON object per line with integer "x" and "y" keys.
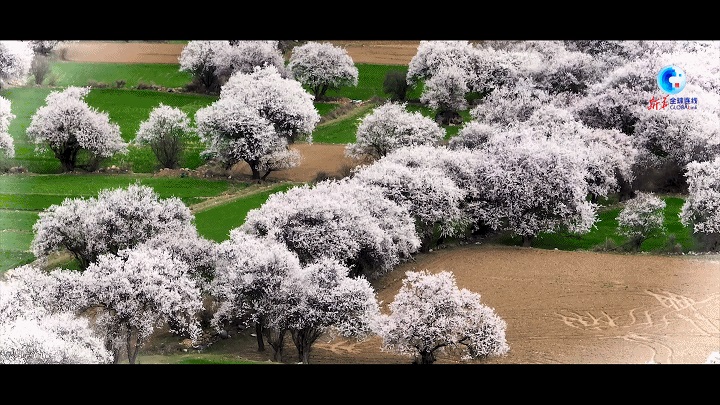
{"x": 641, "y": 217}
{"x": 138, "y": 291}
{"x": 246, "y": 286}
{"x": 166, "y": 130}
{"x": 322, "y": 66}
{"x": 15, "y": 61}
{"x": 430, "y": 315}
{"x": 36, "y": 328}
{"x": 322, "y": 298}
{"x": 68, "y": 126}
{"x": 114, "y": 220}
{"x": 429, "y": 194}
{"x": 7, "y": 145}
{"x": 701, "y": 210}
{"x": 255, "y": 119}
{"x": 389, "y": 127}
{"x": 353, "y": 223}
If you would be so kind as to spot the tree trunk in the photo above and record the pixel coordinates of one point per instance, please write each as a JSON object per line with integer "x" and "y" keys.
{"x": 132, "y": 348}
{"x": 426, "y": 357}
{"x": 254, "y": 164}
{"x": 276, "y": 339}
{"x": 259, "y": 334}
{"x": 304, "y": 339}
{"x": 527, "y": 240}
{"x": 67, "y": 158}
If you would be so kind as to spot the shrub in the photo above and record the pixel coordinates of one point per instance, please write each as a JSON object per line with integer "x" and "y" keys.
{"x": 395, "y": 85}
{"x": 608, "y": 246}
{"x": 97, "y": 85}
{"x": 641, "y": 218}
{"x": 40, "y": 68}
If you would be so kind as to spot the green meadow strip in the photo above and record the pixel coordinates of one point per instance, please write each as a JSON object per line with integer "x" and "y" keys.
{"x": 215, "y": 223}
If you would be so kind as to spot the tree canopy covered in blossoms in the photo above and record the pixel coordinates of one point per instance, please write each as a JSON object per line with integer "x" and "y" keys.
{"x": 347, "y": 221}
{"x": 430, "y": 315}
{"x": 166, "y": 130}
{"x": 322, "y": 66}
{"x": 255, "y": 119}
{"x": 114, "y": 220}
{"x": 69, "y": 127}
{"x": 389, "y": 127}
{"x": 15, "y": 62}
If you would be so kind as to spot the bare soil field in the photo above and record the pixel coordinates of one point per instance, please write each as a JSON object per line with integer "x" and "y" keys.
{"x": 560, "y": 307}
{"x": 372, "y": 52}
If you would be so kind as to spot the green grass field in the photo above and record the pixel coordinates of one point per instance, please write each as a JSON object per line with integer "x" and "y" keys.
{"x": 65, "y": 73}
{"x": 127, "y": 108}
{"x": 605, "y": 231}
{"x": 215, "y": 223}
{"x": 370, "y": 83}
{"x": 23, "y": 197}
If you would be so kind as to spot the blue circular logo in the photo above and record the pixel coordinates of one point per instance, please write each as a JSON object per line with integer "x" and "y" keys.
{"x": 671, "y": 79}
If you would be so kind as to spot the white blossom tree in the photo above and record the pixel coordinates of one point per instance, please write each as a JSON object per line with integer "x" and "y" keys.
{"x": 445, "y": 93}
{"x": 7, "y": 145}
{"x": 187, "y": 245}
{"x": 609, "y": 154}
{"x": 430, "y": 316}
{"x": 641, "y": 217}
{"x": 463, "y": 166}
{"x": 166, "y": 131}
{"x": 429, "y": 194}
{"x": 563, "y": 70}
{"x": 321, "y": 299}
{"x": 15, "y": 61}
{"x": 44, "y": 47}
{"x": 532, "y": 184}
{"x": 494, "y": 67}
{"x": 245, "y": 56}
{"x": 322, "y": 66}
{"x": 701, "y": 209}
{"x": 68, "y": 126}
{"x": 353, "y": 223}
{"x": 432, "y": 56}
{"x": 138, "y": 291}
{"x": 204, "y": 60}
{"x": 116, "y": 219}
{"x": 234, "y": 132}
{"x": 389, "y": 127}
{"x": 39, "y": 323}
{"x": 472, "y": 135}
{"x": 255, "y": 119}
{"x": 281, "y": 100}
{"x": 510, "y": 104}
{"x": 246, "y": 286}
{"x": 448, "y": 71}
